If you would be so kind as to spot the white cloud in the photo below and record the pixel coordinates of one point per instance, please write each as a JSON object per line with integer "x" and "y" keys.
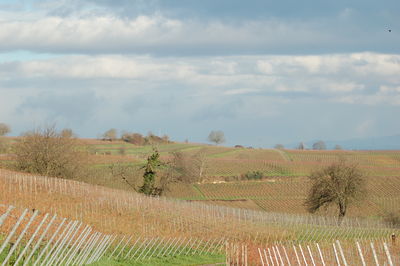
{"x": 241, "y": 91}
{"x": 266, "y": 74}
{"x": 389, "y": 89}
{"x": 345, "y": 87}
{"x": 160, "y": 34}
{"x": 373, "y": 99}
{"x": 90, "y": 33}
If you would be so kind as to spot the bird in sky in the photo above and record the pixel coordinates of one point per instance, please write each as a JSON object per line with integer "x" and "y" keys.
{"x": 390, "y": 30}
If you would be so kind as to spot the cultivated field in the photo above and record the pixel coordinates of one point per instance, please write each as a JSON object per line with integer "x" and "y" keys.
{"x": 226, "y": 210}
{"x": 283, "y": 187}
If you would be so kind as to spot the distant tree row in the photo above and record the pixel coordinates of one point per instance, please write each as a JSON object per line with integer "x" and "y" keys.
{"x": 139, "y": 139}
{"x": 319, "y": 145}
{"x": 135, "y": 138}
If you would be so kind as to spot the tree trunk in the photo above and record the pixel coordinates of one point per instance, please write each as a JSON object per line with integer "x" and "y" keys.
{"x": 342, "y": 212}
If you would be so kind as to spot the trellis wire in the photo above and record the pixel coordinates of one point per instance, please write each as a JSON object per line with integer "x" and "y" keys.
{"x": 70, "y": 242}
{"x": 337, "y": 257}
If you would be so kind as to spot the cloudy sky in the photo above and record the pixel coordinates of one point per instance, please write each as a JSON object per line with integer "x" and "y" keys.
{"x": 262, "y": 71}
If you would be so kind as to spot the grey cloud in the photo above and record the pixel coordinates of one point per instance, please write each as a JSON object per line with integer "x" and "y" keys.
{"x": 230, "y": 9}
{"x": 165, "y": 35}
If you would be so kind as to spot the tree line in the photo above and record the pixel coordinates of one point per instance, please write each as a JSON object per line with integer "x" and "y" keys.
{"x": 319, "y": 145}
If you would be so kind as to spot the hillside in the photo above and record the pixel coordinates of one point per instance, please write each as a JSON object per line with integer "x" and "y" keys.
{"x": 284, "y": 184}
{"x": 228, "y": 181}
{"x": 126, "y": 214}
{"x": 204, "y": 222}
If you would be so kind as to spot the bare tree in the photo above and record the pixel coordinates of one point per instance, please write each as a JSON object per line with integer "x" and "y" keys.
{"x": 301, "y": 146}
{"x": 67, "y": 133}
{"x": 134, "y": 138}
{"x": 279, "y": 146}
{"x": 338, "y": 184}
{"x": 47, "y": 152}
{"x": 189, "y": 168}
{"x": 110, "y": 134}
{"x": 200, "y": 165}
{"x": 338, "y": 147}
{"x": 319, "y": 145}
{"x": 127, "y": 173}
{"x": 4, "y": 129}
{"x": 217, "y": 137}
{"x": 181, "y": 168}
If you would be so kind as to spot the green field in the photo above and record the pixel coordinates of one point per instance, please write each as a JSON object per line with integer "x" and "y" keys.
{"x": 176, "y": 260}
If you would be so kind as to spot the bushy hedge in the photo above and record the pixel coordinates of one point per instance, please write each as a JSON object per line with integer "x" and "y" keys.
{"x": 254, "y": 175}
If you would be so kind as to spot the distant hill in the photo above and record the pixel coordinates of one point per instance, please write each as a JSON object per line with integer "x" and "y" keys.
{"x": 374, "y": 143}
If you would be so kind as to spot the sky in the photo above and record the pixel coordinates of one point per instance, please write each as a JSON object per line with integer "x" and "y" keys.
{"x": 262, "y": 71}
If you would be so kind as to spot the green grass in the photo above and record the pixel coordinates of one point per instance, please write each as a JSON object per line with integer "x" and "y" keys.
{"x": 199, "y": 191}
{"x": 176, "y": 260}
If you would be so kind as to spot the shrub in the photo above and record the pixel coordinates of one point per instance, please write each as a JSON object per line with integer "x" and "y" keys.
{"x": 232, "y": 178}
{"x": 254, "y": 175}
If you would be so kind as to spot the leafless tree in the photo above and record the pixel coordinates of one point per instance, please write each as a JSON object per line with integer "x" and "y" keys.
{"x": 217, "y": 137}
{"x": 4, "y": 129}
{"x": 319, "y": 145}
{"x": 339, "y": 184}
{"x": 47, "y": 152}
{"x": 338, "y": 147}
{"x": 189, "y": 168}
{"x": 200, "y": 165}
{"x": 126, "y": 173}
{"x": 110, "y": 134}
{"x": 134, "y": 138}
{"x": 279, "y": 146}
{"x": 67, "y": 133}
{"x": 301, "y": 146}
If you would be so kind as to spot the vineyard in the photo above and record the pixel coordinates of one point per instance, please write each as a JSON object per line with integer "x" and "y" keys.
{"x": 32, "y": 238}
{"x": 335, "y": 253}
{"x": 227, "y": 218}
{"x": 145, "y": 225}
{"x": 225, "y": 162}
{"x": 289, "y": 193}
{"x": 283, "y": 185}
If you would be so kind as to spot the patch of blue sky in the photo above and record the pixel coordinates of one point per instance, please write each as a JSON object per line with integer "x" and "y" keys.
{"x": 22, "y": 56}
